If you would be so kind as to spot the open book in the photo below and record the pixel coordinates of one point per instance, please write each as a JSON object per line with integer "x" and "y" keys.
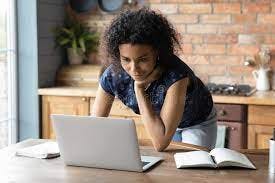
{"x": 43, "y": 151}
{"x": 218, "y": 157}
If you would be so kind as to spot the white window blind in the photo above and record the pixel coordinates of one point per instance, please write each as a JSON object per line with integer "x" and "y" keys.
{"x": 8, "y": 90}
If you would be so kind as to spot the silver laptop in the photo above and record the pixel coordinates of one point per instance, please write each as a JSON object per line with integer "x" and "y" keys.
{"x": 100, "y": 142}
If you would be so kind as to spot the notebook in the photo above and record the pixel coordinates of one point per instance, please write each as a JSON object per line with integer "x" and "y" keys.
{"x": 218, "y": 157}
{"x": 42, "y": 151}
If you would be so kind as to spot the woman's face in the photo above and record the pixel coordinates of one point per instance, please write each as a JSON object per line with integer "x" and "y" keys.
{"x": 137, "y": 60}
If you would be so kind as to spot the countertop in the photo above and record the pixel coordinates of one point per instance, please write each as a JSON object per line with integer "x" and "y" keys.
{"x": 30, "y": 170}
{"x": 257, "y": 98}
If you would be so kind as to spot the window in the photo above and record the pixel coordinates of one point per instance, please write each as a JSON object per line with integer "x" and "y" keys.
{"x": 8, "y": 99}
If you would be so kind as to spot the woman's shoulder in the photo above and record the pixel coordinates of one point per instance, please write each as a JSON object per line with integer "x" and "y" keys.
{"x": 113, "y": 73}
{"x": 176, "y": 69}
{"x": 115, "y": 78}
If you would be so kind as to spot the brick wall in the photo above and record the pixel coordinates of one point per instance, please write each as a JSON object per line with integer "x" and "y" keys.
{"x": 217, "y": 35}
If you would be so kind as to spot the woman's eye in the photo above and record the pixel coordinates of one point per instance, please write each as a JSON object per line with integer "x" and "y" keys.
{"x": 143, "y": 60}
{"x": 125, "y": 60}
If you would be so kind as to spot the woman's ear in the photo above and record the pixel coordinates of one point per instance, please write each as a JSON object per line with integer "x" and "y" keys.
{"x": 156, "y": 56}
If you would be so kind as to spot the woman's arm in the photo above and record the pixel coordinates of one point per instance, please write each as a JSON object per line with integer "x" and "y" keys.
{"x": 161, "y": 128}
{"x": 103, "y": 103}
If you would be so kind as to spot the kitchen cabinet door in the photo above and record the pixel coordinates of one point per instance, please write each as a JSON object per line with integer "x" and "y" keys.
{"x": 61, "y": 105}
{"x": 258, "y": 136}
{"x": 119, "y": 110}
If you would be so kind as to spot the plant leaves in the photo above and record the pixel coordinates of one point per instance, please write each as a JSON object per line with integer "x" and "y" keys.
{"x": 74, "y": 45}
{"x": 64, "y": 41}
{"x": 82, "y": 45}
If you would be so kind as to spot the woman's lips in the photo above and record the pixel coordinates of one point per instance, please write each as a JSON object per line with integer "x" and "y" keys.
{"x": 137, "y": 76}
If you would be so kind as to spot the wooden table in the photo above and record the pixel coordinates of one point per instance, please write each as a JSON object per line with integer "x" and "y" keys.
{"x": 15, "y": 169}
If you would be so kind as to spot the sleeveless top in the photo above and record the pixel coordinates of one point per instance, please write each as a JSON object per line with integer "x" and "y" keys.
{"x": 198, "y": 101}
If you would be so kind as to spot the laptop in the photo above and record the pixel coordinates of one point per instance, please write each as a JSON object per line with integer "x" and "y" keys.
{"x": 100, "y": 142}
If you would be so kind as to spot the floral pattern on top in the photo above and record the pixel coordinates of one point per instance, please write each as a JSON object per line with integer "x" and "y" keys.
{"x": 198, "y": 101}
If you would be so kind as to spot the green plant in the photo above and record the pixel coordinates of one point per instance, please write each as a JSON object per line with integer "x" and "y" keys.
{"x": 74, "y": 34}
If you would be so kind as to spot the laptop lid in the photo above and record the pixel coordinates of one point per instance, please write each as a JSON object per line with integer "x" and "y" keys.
{"x": 99, "y": 142}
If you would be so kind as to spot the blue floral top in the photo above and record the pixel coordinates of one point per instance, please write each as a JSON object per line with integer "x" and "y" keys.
{"x": 198, "y": 102}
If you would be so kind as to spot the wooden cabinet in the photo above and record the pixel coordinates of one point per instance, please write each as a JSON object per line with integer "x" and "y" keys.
{"x": 61, "y": 105}
{"x": 119, "y": 110}
{"x": 234, "y": 117}
{"x": 261, "y": 121}
{"x": 83, "y": 106}
{"x": 259, "y": 135}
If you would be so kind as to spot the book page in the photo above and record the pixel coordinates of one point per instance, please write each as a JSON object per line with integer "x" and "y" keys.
{"x": 194, "y": 159}
{"x": 228, "y": 157}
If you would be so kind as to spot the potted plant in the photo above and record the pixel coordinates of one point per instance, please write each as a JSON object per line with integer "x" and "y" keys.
{"x": 77, "y": 39}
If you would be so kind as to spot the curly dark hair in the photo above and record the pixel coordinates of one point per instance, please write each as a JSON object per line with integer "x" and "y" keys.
{"x": 143, "y": 26}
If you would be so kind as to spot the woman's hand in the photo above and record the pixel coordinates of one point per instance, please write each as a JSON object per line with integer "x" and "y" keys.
{"x": 143, "y": 85}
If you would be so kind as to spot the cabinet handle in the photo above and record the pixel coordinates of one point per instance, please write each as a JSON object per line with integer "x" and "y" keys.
{"x": 222, "y": 112}
{"x": 232, "y": 128}
{"x": 84, "y": 99}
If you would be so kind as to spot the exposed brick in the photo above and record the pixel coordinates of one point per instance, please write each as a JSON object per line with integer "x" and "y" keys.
{"x": 231, "y": 29}
{"x": 165, "y": 8}
{"x": 227, "y": 8}
{"x": 195, "y": 59}
{"x": 195, "y": 8}
{"x": 203, "y": 78}
{"x": 273, "y": 8}
{"x": 269, "y": 39}
{"x": 271, "y": 47}
{"x": 260, "y": 28}
{"x": 248, "y": 79}
{"x": 215, "y": 19}
{"x": 221, "y": 38}
{"x": 177, "y": 1}
{"x": 256, "y": 8}
{"x": 208, "y": 1}
{"x": 272, "y": 63}
{"x": 240, "y": 70}
{"x": 210, "y": 70}
{"x": 209, "y": 49}
{"x": 250, "y": 39}
{"x": 192, "y": 38}
{"x": 181, "y": 28}
{"x": 190, "y": 65}
{"x": 201, "y": 29}
{"x": 226, "y": 60}
{"x": 266, "y": 19}
{"x": 179, "y": 18}
{"x": 187, "y": 48}
{"x": 154, "y": 1}
{"x": 225, "y": 79}
{"x": 239, "y": 27}
{"x": 242, "y": 49}
{"x": 244, "y": 19}
{"x": 271, "y": 28}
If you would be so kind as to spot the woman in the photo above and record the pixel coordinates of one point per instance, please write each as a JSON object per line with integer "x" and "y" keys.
{"x": 147, "y": 76}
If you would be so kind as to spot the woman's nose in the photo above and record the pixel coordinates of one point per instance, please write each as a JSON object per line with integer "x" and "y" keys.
{"x": 134, "y": 67}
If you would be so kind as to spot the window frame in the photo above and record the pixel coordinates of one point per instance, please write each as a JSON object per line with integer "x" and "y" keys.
{"x": 11, "y": 52}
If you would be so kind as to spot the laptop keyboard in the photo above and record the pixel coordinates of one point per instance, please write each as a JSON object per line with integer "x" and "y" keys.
{"x": 145, "y": 163}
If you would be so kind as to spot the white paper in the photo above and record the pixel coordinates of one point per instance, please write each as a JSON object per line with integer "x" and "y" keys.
{"x": 44, "y": 150}
{"x": 193, "y": 159}
{"x": 228, "y": 157}
{"x": 218, "y": 157}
